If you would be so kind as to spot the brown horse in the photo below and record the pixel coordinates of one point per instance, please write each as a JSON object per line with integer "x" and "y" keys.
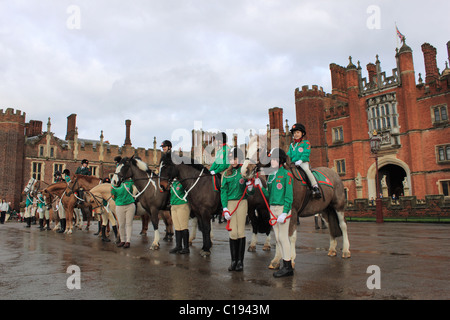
{"x": 59, "y": 190}
{"x": 150, "y": 196}
{"x": 331, "y": 204}
{"x": 200, "y": 192}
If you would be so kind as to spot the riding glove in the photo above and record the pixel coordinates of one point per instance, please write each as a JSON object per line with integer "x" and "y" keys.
{"x": 282, "y": 218}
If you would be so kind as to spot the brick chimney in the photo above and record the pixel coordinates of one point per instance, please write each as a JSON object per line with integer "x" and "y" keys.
{"x": 372, "y": 70}
{"x": 276, "y": 119}
{"x": 431, "y": 70}
{"x": 33, "y": 128}
{"x": 127, "y": 133}
{"x": 71, "y": 126}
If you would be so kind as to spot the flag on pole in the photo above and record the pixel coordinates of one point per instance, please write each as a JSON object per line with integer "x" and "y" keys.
{"x": 399, "y": 34}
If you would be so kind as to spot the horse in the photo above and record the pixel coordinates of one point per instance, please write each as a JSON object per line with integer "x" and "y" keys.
{"x": 259, "y": 217}
{"x": 59, "y": 190}
{"x": 200, "y": 192}
{"x": 331, "y": 204}
{"x": 151, "y": 197}
{"x": 96, "y": 195}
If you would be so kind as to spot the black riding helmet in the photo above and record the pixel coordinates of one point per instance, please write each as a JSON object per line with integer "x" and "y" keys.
{"x": 85, "y": 161}
{"x": 298, "y": 127}
{"x": 166, "y": 143}
{"x": 222, "y": 136}
{"x": 278, "y": 154}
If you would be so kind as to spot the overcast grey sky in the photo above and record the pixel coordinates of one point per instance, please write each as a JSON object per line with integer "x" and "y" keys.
{"x": 165, "y": 64}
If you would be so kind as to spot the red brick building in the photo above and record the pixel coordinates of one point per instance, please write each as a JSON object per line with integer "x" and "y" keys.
{"x": 412, "y": 118}
{"x": 26, "y": 151}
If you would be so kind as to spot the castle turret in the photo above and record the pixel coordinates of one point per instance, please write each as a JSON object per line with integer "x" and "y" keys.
{"x": 12, "y": 136}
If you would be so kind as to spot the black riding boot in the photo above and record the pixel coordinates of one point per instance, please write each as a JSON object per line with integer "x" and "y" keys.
{"x": 234, "y": 246}
{"x": 316, "y": 192}
{"x": 284, "y": 271}
{"x": 240, "y": 254}
{"x": 62, "y": 226}
{"x": 104, "y": 237}
{"x": 116, "y": 234}
{"x": 47, "y": 221}
{"x": 41, "y": 224}
{"x": 178, "y": 240}
{"x": 316, "y": 223}
{"x": 28, "y": 221}
{"x": 185, "y": 237}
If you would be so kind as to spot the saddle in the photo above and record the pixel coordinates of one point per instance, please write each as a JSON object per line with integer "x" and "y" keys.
{"x": 300, "y": 175}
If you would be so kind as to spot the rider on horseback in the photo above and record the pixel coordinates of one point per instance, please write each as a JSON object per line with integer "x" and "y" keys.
{"x": 221, "y": 161}
{"x": 166, "y": 146}
{"x": 299, "y": 152}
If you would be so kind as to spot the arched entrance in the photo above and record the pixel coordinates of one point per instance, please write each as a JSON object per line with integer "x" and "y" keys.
{"x": 395, "y": 170}
{"x": 394, "y": 179}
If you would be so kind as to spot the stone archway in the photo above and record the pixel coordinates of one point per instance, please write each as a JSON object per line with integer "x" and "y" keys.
{"x": 394, "y": 178}
{"x": 396, "y": 169}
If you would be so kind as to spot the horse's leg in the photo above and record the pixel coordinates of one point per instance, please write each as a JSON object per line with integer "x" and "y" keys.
{"x": 205, "y": 227}
{"x": 293, "y": 240}
{"x": 275, "y": 263}
{"x": 252, "y": 246}
{"x": 333, "y": 244}
{"x": 267, "y": 246}
{"x": 193, "y": 232}
{"x": 345, "y": 243}
{"x": 144, "y": 219}
{"x": 155, "y": 220}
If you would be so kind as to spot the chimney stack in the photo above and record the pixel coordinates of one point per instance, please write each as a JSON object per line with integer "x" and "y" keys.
{"x": 276, "y": 119}
{"x": 431, "y": 70}
{"x": 372, "y": 70}
{"x": 127, "y": 134}
{"x": 71, "y": 127}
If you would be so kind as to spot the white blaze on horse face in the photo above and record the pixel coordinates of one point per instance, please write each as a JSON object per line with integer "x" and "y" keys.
{"x": 115, "y": 178}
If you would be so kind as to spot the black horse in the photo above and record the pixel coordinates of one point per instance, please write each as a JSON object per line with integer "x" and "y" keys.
{"x": 202, "y": 196}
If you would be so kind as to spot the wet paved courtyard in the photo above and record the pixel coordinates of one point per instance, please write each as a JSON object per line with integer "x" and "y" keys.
{"x": 405, "y": 260}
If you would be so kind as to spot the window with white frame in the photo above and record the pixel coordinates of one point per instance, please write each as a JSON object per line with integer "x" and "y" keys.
{"x": 94, "y": 170}
{"x": 439, "y": 114}
{"x": 338, "y": 134}
{"x": 443, "y": 153}
{"x": 340, "y": 166}
{"x": 445, "y": 187}
{"x": 37, "y": 169}
{"x": 382, "y": 113}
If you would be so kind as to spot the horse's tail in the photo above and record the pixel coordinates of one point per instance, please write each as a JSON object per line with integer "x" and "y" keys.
{"x": 333, "y": 222}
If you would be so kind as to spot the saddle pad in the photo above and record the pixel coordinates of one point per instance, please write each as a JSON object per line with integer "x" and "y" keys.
{"x": 320, "y": 177}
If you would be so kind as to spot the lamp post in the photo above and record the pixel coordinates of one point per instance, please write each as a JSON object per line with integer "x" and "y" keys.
{"x": 375, "y": 145}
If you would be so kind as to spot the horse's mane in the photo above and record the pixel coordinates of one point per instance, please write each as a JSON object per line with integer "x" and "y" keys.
{"x": 89, "y": 178}
{"x": 141, "y": 165}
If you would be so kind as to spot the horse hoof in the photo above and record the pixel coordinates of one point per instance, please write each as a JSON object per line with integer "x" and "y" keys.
{"x": 252, "y": 249}
{"x": 205, "y": 253}
{"x": 332, "y": 253}
{"x": 266, "y": 248}
{"x": 154, "y": 247}
{"x": 346, "y": 255}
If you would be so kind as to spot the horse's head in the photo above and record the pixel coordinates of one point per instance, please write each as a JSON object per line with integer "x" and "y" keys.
{"x": 256, "y": 157}
{"x": 48, "y": 198}
{"x": 167, "y": 169}
{"x": 123, "y": 171}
